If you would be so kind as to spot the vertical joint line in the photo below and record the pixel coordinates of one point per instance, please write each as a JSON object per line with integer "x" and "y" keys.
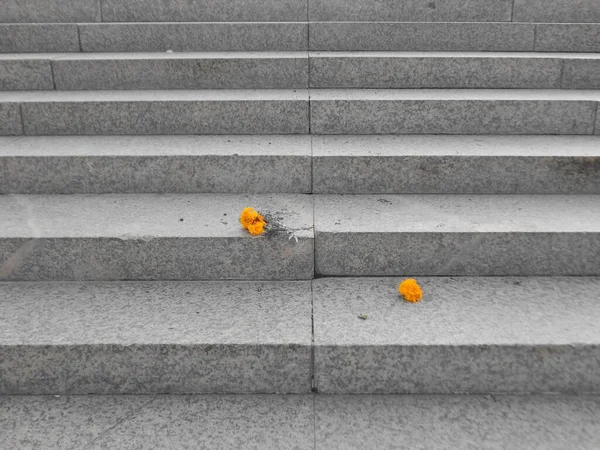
{"x": 535, "y": 27}
{"x": 595, "y": 128}
{"x": 53, "y": 75}
{"x": 22, "y": 118}
{"x": 101, "y": 5}
{"x": 562, "y": 73}
{"x": 79, "y": 37}
{"x": 512, "y": 11}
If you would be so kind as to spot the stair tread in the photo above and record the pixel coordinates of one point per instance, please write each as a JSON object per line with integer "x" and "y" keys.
{"x": 144, "y": 216}
{"x": 86, "y": 56}
{"x": 454, "y": 94}
{"x": 125, "y": 146}
{"x": 455, "y": 145}
{"x": 165, "y": 313}
{"x": 469, "y": 311}
{"x": 457, "y": 213}
{"x": 156, "y": 95}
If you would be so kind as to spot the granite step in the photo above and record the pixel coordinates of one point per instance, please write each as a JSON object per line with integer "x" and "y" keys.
{"x": 136, "y": 71}
{"x": 155, "y": 164}
{"x": 445, "y": 235}
{"x": 154, "y": 37}
{"x": 269, "y": 111}
{"x": 455, "y": 164}
{"x": 454, "y": 37}
{"x": 289, "y": 70}
{"x": 301, "y": 422}
{"x": 453, "y": 111}
{"x": 467, "y": 335}
{"x": 155, "y": 337}
{"x": 151, "y": 237}
{"x": 451, "y": 70}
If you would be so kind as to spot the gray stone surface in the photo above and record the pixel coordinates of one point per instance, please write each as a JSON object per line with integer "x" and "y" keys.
{"x": 437, "y": 70}
{"x": 581, "y": 74}
{"x": 194, "y": 37}
{"x": 163, "y": 112}
{"x": 454, "y": 164}
{"x": 204, "y": 11}
{"x": 457, "y": 422}
{"x": 491, "y": 235}
{"x": 143, "y": 237}
{"x": 300, "y": 422}
{"x": 572, "y": 37}
{"x": 356, "y": 111}
{"x": 25, "y": 75}
{"x": 471, "y": 335}
{"x": 182, "y": 71}
{"x": 50, "y": 11}
{"x": 155, "y": 337}
{"x": 37, "y": 37}
{"x": 410, "y": 11}
{"x": 156, "y": 164}
{"x": 398, "y": 36}
{"x": 556, "y": 11}
{"x": 10, "y": 119}
{"x": 167, "y": 421}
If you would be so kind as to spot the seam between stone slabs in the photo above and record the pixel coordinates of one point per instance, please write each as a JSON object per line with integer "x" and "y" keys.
{"x": 535, "y": 27}
{"x": 101, "y": 2}
{"x": 23, "y": 122}
{"x": 79, "y": 37}
{"x": 512, "y": 11}
{"x": 52, "y": 72}
{"x": 314, "y": 409}
{"x": 562, "y": 72}
{"x": 594, "y": 125}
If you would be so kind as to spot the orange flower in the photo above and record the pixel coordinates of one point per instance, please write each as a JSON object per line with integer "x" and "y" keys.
{"x": 248, "y": 217}
{"x": 252, "y": 221}
{"x": 411, "y": 290}
{"x": 258, "y": 227}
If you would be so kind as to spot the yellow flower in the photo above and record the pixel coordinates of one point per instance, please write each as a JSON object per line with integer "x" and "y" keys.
{"x": 411, "y": 290}
{"x": 258, "y": 227}
{"x": 248, "y": 217}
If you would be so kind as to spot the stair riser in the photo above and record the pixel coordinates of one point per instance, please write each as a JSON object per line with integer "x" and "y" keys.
{"x": 155, "y": 174}
{"x": 460, "y": 254}
{"x": 452, "y": 73}
{"x": 294, "y": 36}
{"x": 155, "y": 258}
{"x": 194, "y": 37}
{"x": 456, "y": 175}
{"x": 158, "y": 117}
{"x": 293, "y": 73}
{"x": 501, "y": 117}
{"x": 452, "y": 117}
{"x": 259, "y": 73}
{"x": 155, "y": 369}
{"x": 451, "y": 370}
{"x": 296, "y": 10}
{"x": 410, "y": 11}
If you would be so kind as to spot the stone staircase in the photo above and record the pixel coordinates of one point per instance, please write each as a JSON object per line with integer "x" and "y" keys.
{"x": 453, "y": 141}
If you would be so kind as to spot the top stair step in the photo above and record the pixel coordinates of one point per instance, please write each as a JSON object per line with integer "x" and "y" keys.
{"x": 23, "y": 11}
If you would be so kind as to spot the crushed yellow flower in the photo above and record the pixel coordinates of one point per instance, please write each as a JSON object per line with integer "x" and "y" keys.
{"x": 252, "y": 221}
{"x": 410, "y": 290}
{"x": 248, "y": 217}
{"x": 257, "y": 228}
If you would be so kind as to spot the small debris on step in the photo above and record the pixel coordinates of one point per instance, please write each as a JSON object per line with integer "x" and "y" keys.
{"x": 363, "y": 316}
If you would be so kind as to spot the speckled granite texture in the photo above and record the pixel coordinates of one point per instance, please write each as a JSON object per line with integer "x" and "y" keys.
{"x": 300, "y": 422}
{"x": 472, "y": 335}
{"x": 151, "y": 237}
{"x": 155, "y": 337}
{"x": 379, "y": 235}
{"x": 155, "y": 164}
{"x": 456, "y": 164}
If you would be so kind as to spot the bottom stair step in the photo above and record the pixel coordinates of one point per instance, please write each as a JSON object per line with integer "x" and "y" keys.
{"x": 300, "y": 422}
{"x": 467, "y": 335}
{"x": 155, "y": 337}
